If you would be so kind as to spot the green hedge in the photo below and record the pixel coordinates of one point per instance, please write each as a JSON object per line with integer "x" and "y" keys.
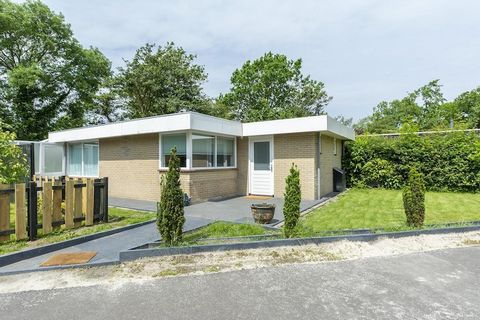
{"x": 448, "y": 161}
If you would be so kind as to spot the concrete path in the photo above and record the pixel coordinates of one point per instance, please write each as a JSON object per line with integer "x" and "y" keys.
{"x": 433, "y": 285}
{"x": 107, "y": 248}
{"x": 235, "y": 209}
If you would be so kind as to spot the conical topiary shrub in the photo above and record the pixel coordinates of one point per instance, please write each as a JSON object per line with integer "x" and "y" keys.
{"x": 293, "y": 196}
{"x": 414, "y": 199}
{"x": 170, "y": 212}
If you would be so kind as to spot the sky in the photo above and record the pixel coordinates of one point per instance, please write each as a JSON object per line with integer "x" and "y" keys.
{"x": 363, "y": 51}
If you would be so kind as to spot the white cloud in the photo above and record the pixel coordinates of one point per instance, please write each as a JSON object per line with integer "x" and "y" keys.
{"x": 364, "y": 51}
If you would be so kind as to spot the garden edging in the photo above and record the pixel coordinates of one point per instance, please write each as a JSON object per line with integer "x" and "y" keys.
{"x": 156, "y": 252}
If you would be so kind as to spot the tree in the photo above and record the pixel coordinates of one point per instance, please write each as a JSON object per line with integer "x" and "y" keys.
{"x": 170, "y": 214}
{"x": 162, "y": 80}
{"x": 273, "y": 87}
{"x": 47, "y": 79}
{"x": 108, "y": 105}
{"x": 414, "y": 199}
{"x": 465, "y": 109}
{"x": 13, "y": 163}
{"x": 422, "y": 106}
{"x": 293, "y": 197}
{"x": 345, "y": 121}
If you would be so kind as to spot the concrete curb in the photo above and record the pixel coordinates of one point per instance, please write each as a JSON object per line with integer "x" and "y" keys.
{"x": 156, "y": 252}
{"x": 65, "y": 267}
{"x": 34, "y": 252}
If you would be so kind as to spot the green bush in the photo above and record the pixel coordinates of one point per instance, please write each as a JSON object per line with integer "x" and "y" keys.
{"x": 13, "y": 163}
{"x": 293, "y": 196}
{"x": 448, "y": 161}
{"x": 170, "y": 212}
{"x": 414, "y": 199}
{"x": 379, "y": 173}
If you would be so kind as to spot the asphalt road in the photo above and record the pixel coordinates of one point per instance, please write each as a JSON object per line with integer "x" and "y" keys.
{"x": 435, "y": 285}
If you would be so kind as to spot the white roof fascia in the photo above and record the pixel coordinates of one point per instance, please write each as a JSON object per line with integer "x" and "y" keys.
{"x": 321, "y": 123}
{"x": 199, "y": 122}
{"x": 168, "y": 123}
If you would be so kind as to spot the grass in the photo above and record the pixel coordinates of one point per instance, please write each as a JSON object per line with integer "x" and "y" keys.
{"x": 222, "y": 229}
{"x": 117, "y": 218}
{"x": 378, "y": 208}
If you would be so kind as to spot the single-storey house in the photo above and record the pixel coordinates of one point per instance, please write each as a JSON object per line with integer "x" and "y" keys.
{"x": 219, "y": 158}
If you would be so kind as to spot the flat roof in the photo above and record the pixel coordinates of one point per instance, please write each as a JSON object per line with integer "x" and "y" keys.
{"x": 183, "y": 121}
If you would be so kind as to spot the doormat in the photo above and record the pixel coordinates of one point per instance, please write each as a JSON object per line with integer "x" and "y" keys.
{"x": 258, "y": 197}
{"x": 62, "y": 259}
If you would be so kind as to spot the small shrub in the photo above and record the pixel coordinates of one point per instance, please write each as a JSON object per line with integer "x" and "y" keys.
{"x": 170, "y": 213}
{"x": 293, "y": 196}
{"x": 414, "y": 199}
{"x": 379, "y": 173}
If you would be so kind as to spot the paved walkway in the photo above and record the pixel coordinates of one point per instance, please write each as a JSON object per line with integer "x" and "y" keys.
{"x": 198, "y": 215}
{"x": 234, "y": 209}
{"x": 107, "y": 248}
{"x": 441, "y": 284}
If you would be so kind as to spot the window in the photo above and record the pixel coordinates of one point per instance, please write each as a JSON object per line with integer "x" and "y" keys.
{"x": 225, "y": 152}
{"x": 83, "y": 159}
{"x": 90, "y": 159}
{"x": 335, "y": 146}
{"x": 169, "y": 141}
{"x": 53, "y": 155}
{"x": 203, "y": 151}
{"x": 261, "y": 155}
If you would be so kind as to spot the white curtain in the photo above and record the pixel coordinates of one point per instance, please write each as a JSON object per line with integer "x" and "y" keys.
{"x": 90, "y": 160}
{"x": 75, "y": 159}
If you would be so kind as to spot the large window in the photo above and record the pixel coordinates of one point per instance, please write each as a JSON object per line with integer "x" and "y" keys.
{"x": 53, "y": 155}
{"x": 225, "y": 152}
{"x": 179, "y": 141}
{"x": 203, "y": 151}
{"x": 83, "y": 159}
{"x": 198, "y": 150}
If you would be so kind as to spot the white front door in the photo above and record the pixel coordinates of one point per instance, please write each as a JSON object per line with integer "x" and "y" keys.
{"x": 261, "y": 165}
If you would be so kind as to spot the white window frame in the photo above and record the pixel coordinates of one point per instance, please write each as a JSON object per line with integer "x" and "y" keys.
{"x": 83, "y": 162}
{"x": 189, "y": 149}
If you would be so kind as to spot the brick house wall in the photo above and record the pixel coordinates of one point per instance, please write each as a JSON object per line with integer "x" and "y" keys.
{"x": 299, "y": 149}
{"x": 131, "y": 165}
{"x": 328, "y": 161}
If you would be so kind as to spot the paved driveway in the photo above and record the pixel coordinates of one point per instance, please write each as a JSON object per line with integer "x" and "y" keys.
{"x": 434, "y": 285}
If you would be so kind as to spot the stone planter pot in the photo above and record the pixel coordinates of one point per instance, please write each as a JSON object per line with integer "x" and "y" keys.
{"x": 263, "y": 212}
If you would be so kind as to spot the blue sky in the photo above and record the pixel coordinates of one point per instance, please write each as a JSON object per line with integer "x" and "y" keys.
{"x": 364, "y": 51}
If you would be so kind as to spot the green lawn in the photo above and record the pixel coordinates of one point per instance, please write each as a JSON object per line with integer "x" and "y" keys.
{"x": 378, "y": 208}
{"x": 117, "y": 218}
{"x": 222, "y": 229}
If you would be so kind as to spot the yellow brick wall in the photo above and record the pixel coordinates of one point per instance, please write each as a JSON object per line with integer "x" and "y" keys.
{"x": 327, "y": 162}
{"x": 242, "y": 165}
{"x": 202, "y": 185}
{"x": 299, "y": 149}
{"x": 131, "y": 165}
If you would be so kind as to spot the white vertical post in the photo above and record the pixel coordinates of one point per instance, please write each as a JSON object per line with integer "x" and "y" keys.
{"x": 189, "y": 150}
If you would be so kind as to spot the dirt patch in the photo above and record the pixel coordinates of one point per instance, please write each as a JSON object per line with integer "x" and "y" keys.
{"x": 197, "y": 264}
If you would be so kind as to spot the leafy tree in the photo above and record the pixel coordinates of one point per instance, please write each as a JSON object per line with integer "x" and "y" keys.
{"x": 13, "y": 163}
{"x": 47, "y": 79}
{"x": 273, "y": 87}
{"x": 345, "y": 121}
{"x": 170, "y": 215}
{"x": 108, "y": 105}
{"x": 414, "y": 199}
{"x": 161, "y": 80}
{"x": 422, "y": 106}
{"x": 293, "y": 197}
{"x": 465, "y": 109}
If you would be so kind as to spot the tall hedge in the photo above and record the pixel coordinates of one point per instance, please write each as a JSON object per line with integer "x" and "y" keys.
{"x": 170, "y": 211}
{"x": 448, "y": 161}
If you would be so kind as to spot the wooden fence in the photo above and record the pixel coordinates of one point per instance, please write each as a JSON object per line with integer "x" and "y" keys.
{"x": 66, "y": 202}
